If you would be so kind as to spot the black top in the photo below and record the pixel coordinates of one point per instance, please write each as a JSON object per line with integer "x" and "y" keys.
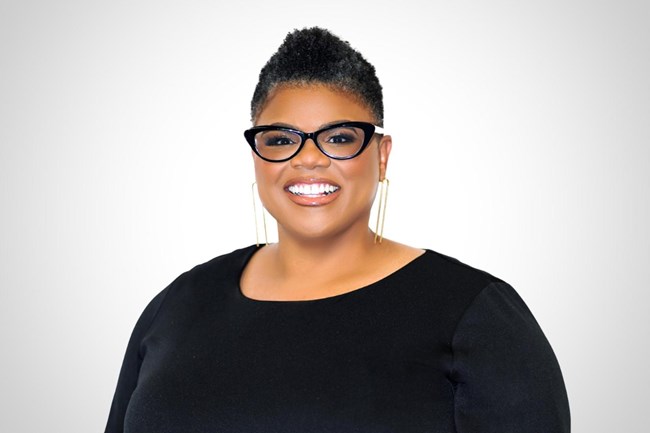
{"x": 437, "y": 346}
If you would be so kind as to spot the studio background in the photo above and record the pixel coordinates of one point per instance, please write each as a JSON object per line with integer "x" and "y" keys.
{"x": 521, "y": 147}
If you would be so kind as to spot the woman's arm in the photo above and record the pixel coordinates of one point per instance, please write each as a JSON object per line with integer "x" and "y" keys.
{"x": 505, "y": 374}
{"x": 129, "y": 373}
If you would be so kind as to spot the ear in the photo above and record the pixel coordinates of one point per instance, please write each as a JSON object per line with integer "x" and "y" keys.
{"x": 385, "y": 145}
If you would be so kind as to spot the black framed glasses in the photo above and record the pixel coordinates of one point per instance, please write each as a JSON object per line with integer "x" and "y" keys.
{"x": 343, "y": 140}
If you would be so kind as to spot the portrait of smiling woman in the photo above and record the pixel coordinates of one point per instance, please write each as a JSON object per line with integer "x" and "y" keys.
{"x": 335, "y": 327}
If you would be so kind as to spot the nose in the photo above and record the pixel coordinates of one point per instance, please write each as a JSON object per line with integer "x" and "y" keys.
{"x": 310, "y": 156}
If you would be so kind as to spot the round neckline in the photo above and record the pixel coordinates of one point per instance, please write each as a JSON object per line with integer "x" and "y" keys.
{"x": 355, "y": 292}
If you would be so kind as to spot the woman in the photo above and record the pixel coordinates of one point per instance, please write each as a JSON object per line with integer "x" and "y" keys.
{"x": 333, "y": 328}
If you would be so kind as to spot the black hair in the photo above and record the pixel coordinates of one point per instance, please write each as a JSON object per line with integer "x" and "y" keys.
{"x": 316, "y": 56}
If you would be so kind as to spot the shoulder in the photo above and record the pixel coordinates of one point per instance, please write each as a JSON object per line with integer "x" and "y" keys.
{"x": 438, "y": 290}
{"x": 451, "y": 269}
{"x": 204, "y": 282}
{"x": 219, "y": 272}
{"x": 491, "y": 319}
{"x": 485, "y": 296}
{"x": 219, "y": 269}
{"x": 450, "y": 278}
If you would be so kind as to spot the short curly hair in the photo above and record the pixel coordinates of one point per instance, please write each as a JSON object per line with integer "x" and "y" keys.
{"x": 316, "y": 56}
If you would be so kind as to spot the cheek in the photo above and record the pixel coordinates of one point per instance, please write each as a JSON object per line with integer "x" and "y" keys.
{"x": 265, "y": 175}
{"x": 365, "y": 165}
{"x": 364, "y": 173}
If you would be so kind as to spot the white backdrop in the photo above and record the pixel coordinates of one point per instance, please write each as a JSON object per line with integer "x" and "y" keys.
{"x": 521, "y": 146}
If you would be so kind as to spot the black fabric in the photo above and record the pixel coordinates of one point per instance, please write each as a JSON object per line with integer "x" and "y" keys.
{"x": 435, "y": 347}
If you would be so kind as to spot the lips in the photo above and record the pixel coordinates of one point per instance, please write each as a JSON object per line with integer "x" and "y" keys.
{"x": 312, "y": 192}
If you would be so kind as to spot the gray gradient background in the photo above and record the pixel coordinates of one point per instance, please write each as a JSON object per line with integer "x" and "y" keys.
{"x": 521, "y": 146}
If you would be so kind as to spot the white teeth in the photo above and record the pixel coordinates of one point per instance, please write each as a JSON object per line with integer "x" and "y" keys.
{"x": 312, "y": 189}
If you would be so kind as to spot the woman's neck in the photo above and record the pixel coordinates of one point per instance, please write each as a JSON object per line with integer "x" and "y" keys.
{"x": 312, "y": 268}
{"x": 294, "y": 256}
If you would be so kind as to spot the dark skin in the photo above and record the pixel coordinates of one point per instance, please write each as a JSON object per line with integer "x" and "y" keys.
{"x": 325, "y": 247}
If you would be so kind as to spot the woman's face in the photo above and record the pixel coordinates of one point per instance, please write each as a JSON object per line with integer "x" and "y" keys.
{"x": 354, "y": 181}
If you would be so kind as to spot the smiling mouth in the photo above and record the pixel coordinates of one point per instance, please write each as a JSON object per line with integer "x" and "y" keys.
{"x": 312, "y": 189}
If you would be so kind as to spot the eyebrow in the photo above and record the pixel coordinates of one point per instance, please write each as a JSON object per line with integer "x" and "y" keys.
{"x": 324, "y": 125}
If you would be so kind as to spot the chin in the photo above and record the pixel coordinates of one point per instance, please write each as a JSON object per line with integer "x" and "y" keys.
{"x": 309, "y": 233}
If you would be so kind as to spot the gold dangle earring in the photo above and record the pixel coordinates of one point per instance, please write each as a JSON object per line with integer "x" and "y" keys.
{"x": 257, "y": 230}
{"x": 381, "y": 212}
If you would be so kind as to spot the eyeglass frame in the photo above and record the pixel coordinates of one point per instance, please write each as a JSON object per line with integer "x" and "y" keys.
{"x": 368, "y": 128}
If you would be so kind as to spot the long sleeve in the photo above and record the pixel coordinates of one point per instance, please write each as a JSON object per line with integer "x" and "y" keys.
{"x": 128, "y": 378}
{"x": 505, "y": 374}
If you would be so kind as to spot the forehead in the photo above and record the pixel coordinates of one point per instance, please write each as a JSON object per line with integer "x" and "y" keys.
{"x": 309, "y": 106}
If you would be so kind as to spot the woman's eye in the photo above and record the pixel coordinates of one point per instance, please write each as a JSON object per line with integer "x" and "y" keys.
{"x": 340, "y": 139}
{"x": 278, "y": 141}
{"x": 341, "y": 136}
